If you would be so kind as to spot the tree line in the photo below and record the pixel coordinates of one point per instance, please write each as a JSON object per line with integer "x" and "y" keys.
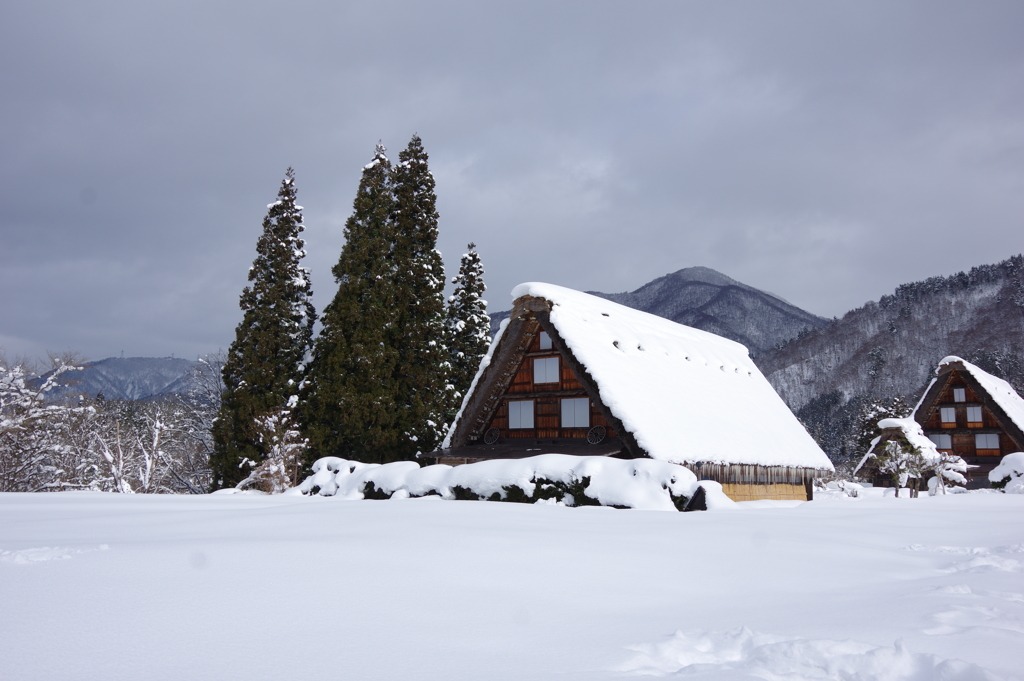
{"x": 92, "y": 443}
{"x": 379, "y": 382}
{"x": 386, "y": 371}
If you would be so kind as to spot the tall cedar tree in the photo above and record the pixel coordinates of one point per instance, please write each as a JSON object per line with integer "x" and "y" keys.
{"x": 424, "y": 394}
{"x": 265, "y": 364}
{"x": 467, "y": 324}
{"x": 348, "y": 407}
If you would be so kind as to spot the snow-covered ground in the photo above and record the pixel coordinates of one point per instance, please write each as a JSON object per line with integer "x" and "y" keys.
{"x": 107, "y": 586}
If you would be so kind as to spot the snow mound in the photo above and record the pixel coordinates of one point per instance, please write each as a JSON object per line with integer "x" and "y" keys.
{"x": 550, "y": 478}
{"x": 743, "y": 653}
{"x": 1009, "y": 474}
{"x": 686, "y": 395}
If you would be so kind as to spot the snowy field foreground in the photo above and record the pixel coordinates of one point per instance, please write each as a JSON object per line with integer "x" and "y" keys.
{"x": 108, "y": 586}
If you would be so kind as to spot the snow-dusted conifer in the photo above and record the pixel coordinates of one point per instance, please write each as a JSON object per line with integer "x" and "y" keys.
{"x": 348, "y": 407}
{"x": 423, "y": 390}
{"x": 285, "y": 460}
{"x": 875, "y": 410}
{"x": 265, "y": 363}
{"x": 467, "y": 323}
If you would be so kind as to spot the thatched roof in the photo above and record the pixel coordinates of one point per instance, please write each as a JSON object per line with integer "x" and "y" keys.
{"x": 680, "y": 394}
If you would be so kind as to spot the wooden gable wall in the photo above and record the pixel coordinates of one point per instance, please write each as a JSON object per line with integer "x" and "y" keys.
{"x": 546, "y": 398}
{"x": 509, "y": 377}
{"x": 963, "y": 430}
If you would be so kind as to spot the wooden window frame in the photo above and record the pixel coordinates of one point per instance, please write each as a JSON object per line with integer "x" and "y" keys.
{"x": 971, "y": 423}
{"x": 977, "y": 441}
{"x": 518, "y": 409}
{"x": 575, "y": 402}
{"x": 943, "y": 412}
{"x": 545, "y": 362}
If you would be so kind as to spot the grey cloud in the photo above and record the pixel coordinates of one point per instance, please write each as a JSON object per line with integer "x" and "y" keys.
{"x": 825, "y": 152}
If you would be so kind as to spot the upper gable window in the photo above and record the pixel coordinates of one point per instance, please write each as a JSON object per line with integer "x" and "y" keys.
{"x": 545, "y": 341}
{"x": 948, "y": 414}
{"x": 959, "y": 395}
{"x": 520, "y": 414}
{"x": 545, "y": 370}
{"x": 576, "y": 413}
{"x": 942, "y": 441}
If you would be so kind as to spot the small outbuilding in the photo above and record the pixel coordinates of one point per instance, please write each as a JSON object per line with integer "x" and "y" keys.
{"x": 572, "y": 373}
{"x": 970, "y": 413}
{"x": 882, "y": 464}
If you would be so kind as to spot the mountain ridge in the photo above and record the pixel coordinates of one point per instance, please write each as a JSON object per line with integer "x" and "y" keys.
{"x": 706, "y": 299}
{"x": 127, "y": 378}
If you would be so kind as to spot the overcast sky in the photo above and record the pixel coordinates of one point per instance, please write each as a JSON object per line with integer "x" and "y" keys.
{"x": 824, "y": 151}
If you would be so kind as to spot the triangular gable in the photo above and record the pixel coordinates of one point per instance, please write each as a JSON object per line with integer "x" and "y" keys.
{"x": 674, "y": 393}
{"x": 508, "y": 359}
{"x": 995, "y": 395}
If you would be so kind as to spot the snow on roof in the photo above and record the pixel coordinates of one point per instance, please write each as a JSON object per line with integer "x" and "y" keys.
{"x": 686, "y": 395}
{"x": 914, "y": 434}
{"x": 1001, "y": 392}
{"x": 484, "y": 363}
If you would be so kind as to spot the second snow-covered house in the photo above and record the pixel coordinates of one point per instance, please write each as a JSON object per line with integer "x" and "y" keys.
{"x": 972, "y": 414}
{"x": 577, "y": 374}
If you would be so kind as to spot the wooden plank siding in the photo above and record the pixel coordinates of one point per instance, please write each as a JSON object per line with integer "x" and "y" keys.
{"x": 547, "y": 399}
{"x": 962, "y": 431}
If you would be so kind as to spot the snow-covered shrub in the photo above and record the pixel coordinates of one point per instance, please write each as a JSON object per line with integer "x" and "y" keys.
{"x": 902, "y": 461}
{"x": 1009, "y": 474}
{"x": 841, "y": 487}
{"x": 552, "y": 478}
{"x": 286, "y": 450}
{"x": 945, "y": 469}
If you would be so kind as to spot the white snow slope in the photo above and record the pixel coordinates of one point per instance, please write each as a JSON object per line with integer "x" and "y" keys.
{"x": 106, "y": 586}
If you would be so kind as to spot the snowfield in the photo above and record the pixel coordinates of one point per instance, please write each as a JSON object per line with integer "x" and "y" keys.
{"x": 110, "y": 586}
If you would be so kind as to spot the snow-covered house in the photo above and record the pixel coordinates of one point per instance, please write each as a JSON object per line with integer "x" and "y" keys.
{"x": 576, "y": 374}
{"x": 970, "y": 413}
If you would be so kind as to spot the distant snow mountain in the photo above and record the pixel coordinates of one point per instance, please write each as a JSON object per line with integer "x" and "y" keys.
{"x": 706, "y": 299}
{"x": 128, "y": 378}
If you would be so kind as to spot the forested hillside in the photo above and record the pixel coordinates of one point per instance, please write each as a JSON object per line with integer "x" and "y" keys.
{"x": 890, "y": 348}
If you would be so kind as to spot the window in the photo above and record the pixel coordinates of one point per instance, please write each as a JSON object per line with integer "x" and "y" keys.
{"x": 948, "y": 414}
{"x": 520, "y": 414}
{"x": 942, "y": 441}
{"x": 576, "y": 413}
{"x": 959, "y": 395}
{"x": 545, "y": 370}
{"x": 986, "y": 441}
{"x": 974, "y": 414}
{"x": 545, "y": 341}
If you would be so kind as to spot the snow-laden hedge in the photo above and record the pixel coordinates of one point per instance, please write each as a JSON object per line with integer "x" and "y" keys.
{"x": 1009, "y": 474}
{"x": 551, "y": 478}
